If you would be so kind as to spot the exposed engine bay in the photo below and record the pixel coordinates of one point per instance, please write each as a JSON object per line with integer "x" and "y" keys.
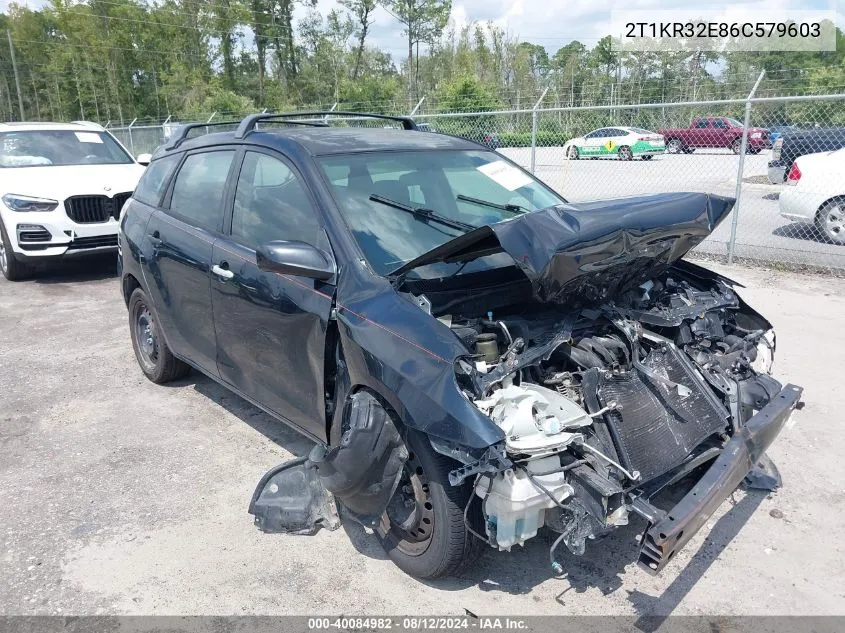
{"x": 567, "y": 390}
{"x": 602, "y": 401}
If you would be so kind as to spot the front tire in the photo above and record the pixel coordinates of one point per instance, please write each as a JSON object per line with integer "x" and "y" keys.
{"x": 625, "y": 153}
{"x": 423, "y": 530}
{"x": 830, "y": 221}
{"x": 153, "y": 355}
{"x": 736, "y": 148}
{"x": 572, "y": 153}
{"x": 12, "y": 269}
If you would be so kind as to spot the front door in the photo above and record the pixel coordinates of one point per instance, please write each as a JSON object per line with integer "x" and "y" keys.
{"x": 182, "y": 237}
{"x": 270, "y": 327}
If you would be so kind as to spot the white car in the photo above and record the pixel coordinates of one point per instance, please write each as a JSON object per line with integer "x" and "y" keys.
{"x": 62, "y": 186}
{"x": 625, "y": 143}
{"x": 815, "y": 192}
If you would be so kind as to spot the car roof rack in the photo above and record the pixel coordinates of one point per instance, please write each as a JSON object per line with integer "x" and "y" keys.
{"x": 181, "y": 132}
{"x": 249, "y": 122}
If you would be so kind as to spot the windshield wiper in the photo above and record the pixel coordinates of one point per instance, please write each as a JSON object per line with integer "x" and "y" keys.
{"x": 423, "y": 213}
{"x": 513, "y": 208}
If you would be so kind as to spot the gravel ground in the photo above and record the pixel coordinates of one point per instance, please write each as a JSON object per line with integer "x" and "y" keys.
{"x": 118, "y": 496}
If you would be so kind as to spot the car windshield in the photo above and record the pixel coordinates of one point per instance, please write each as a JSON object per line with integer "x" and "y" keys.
{"x": 474, "y": 188}
{"x": 37, "y": 148}
{"x": 734, "y": 122}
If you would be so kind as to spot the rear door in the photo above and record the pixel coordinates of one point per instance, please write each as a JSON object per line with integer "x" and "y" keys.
{"x": 271, "y": 328}
{"x": 699, "y": 135}
{"x": 182, "y": 234}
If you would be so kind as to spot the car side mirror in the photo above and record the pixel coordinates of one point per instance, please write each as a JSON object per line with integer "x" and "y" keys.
{"x": 294, "y": 258}
{"x": 144, "y": 159}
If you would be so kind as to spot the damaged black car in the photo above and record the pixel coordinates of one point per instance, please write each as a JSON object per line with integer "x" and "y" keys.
{"x": 476, "y": 358}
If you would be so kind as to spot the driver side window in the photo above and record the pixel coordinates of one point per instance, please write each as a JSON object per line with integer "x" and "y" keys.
{"x": 271, "y": 204}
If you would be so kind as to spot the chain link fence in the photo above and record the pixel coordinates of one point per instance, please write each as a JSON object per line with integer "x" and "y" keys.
{"x": 783, "y": 168}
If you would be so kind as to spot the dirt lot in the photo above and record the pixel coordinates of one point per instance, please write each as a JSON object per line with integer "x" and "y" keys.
{"x": 120, "y": 496}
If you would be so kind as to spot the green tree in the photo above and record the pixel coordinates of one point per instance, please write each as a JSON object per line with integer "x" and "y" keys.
{"x": 424, "y": 21}
{"x": 362, "y": 13}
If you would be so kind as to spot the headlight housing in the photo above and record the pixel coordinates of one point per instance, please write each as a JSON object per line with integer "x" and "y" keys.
{"x": 28, "y": 203}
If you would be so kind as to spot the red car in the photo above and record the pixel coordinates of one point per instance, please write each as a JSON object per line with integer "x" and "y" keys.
{"x": 714, "y": 131}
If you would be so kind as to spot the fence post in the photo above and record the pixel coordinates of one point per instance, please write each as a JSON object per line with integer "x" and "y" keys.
{"x": 534, "y": 117}
{"x": 417, "y": 107}
{"x": 332, "y": 109}
{"x": 743, "y": 148}
{"x": 132, "y": 142}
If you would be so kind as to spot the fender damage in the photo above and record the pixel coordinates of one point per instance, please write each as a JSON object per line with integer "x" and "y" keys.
{"x": 569, "y": 394}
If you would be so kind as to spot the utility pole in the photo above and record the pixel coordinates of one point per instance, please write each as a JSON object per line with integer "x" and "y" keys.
{"x": 17, "y": 79}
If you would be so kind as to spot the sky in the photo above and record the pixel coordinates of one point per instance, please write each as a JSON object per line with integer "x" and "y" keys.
{"x": 554, "y": 23}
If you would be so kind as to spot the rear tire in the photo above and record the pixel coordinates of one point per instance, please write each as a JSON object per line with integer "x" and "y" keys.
{"x": 689, "y": 150}
{"x": 12, "y": 269}
{"x": 648, "y": 157}
{"x": 153, "y": 355}
{"x": 429, "y": 540}
{"x": 674, "y": 146}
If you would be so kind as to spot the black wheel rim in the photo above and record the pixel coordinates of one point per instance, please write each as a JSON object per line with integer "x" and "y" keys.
{"x": 409, "y": 518}
{"x": 146, "y": 337}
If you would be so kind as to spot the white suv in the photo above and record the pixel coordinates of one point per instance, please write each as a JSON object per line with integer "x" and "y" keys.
{"x": 62, "y": 186}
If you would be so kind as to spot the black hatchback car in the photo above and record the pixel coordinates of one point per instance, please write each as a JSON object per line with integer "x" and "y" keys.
{"x": 475, "y": 358}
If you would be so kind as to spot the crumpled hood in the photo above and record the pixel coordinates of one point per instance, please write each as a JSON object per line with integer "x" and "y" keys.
{"x": 592, "y": 250}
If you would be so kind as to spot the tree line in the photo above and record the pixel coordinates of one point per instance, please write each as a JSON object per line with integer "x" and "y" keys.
{"x": 118, "y": 60}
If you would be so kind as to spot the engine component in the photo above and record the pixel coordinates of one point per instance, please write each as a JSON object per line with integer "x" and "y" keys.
{"x": 658, "y": 425}
{"x": 533, "y": 418}
{"x": 515, "y": 506}
{"x": 487, "y": 346}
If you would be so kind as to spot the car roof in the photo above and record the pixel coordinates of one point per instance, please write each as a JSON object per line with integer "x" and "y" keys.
{"x": 323, "y": 141}
{"x": 28, "y": 126}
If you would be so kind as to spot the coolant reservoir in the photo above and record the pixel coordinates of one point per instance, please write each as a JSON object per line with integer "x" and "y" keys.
{"x": 515, "y": 507}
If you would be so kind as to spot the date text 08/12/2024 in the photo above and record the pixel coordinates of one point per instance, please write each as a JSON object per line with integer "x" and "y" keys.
{"x": 417, "y": 623}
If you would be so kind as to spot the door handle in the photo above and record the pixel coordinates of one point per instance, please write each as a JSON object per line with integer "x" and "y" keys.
{"x": 220, "y": 271}
{"x": 155, "y": 238}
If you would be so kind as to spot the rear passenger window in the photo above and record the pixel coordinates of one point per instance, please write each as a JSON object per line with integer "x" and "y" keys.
{"x": 701, "y": 123}
{"x": 271, "y": 204}
{"x": 154, "y": 181}
{"x": 198, "y": 190}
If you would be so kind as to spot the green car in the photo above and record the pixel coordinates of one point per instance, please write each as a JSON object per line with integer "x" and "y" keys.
{"x": 624, "y": 143}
